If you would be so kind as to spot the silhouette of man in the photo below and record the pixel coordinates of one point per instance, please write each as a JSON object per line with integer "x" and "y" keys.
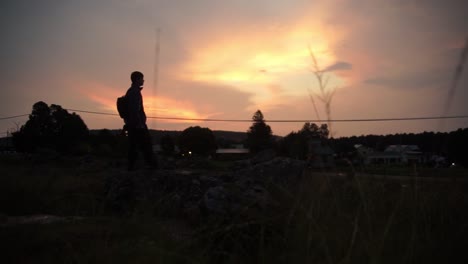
{"x": 135, "y": 124}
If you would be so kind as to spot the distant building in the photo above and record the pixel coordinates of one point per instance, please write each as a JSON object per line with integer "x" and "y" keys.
{"x": 236, "y": 152}
{"x": 362, "y": 154}
{"x": 393, "y": 154}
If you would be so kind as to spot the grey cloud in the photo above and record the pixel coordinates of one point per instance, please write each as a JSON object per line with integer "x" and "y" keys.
{"x": 415, "y": 80}
{"x": 339, "y": 66}
{"x": 440, "y": 73}
{"x": 452, "y": 12}
{"x": 401, "y": 28}
{"x": 381, "y": 81}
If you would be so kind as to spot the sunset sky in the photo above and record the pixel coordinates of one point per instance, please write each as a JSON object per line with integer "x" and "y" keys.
{"x": 226, "y": 59}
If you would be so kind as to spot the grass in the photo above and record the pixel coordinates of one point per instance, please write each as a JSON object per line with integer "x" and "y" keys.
{"x": 413, "y": 170}
{"x": 318, "y": 220}
{"x": 95, "y": 240}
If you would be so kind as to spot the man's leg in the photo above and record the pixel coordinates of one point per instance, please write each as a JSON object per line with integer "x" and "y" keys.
{"x": 132, "y": 148}
{"x": 147, "y": 148}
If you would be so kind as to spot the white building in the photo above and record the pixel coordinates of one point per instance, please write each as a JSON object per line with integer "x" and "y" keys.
{"x": 394, "y": 154}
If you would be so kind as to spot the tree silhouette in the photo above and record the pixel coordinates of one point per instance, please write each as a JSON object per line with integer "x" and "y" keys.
{"x": 50, "y": 127}
{"x": 295, "y": 144}
{"x": 198, "y": 140}
{"x": 108, "y": 143}
{"x": 259, "y": 135}
{"x": 310, "y": 130}
{"x": 68, "y": 129}
{"x": 167, "y": 144}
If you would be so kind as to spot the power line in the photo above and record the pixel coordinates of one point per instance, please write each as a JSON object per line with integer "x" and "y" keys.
{"x": 156, "y": 69}
{"x": 376, "y": 119}
{"x": 289, "y": 121}
{"x": 91, "y": 112}
{"x": 11, "y": 117}
{"x": 271, "y": 121}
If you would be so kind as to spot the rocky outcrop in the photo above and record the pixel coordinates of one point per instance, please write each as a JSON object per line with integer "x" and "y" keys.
{"x": 196, "y": 193}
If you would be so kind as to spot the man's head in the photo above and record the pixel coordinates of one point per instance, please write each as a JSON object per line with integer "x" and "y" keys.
{"x": 137, "y": 78}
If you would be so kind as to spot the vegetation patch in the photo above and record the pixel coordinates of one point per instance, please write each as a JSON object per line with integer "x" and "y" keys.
{"x": 317, "y": 218}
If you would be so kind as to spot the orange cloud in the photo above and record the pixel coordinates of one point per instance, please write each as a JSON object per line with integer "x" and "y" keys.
{"x": 245, "y": 58}
{"x": 168, "y": 107}
{"x": 155, "y": 106}
{"x": 271, "y": 64}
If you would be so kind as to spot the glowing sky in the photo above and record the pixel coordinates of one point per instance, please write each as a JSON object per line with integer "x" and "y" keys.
{"x": 226, "y": 59}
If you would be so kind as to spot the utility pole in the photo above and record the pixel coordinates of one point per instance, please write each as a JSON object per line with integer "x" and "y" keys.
{"x": 155, "y": 74}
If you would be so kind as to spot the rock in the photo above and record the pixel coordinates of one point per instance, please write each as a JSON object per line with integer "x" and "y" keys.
{"x": 202, "y": 192}
{"x": 263, "y": 156}
{"x": 120, "y": 192}
{"x": 278, "y": 170}
{"x": 258, "y": 197}
{"x": 215, "y": 200}
{"x": 240, "y": 164}
{"x": 246, "y": 188}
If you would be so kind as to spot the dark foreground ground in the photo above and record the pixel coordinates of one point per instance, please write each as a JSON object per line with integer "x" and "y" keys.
{"x": 61, "y": 210}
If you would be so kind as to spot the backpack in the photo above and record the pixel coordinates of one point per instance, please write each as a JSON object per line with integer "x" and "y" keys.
{"x": 122, "y": 106}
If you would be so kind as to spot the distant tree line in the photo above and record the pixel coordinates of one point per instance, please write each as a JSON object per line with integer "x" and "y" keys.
{"x": 54, "y": 128}
{"x": 452, "y": 145}
{"x": 296, "y": 144}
